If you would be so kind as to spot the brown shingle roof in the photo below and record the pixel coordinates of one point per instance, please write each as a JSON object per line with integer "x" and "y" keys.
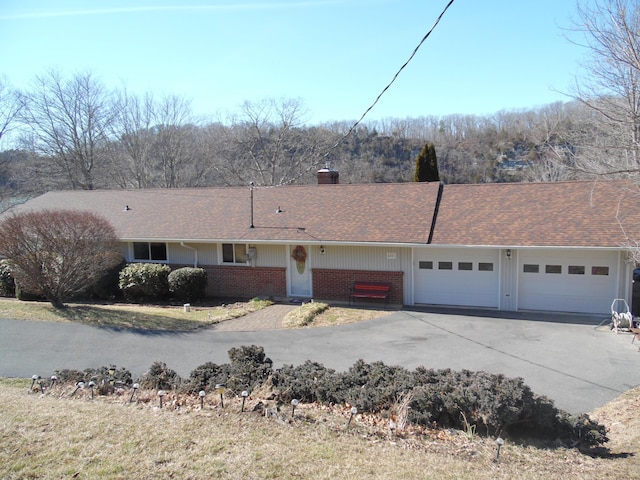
{"x": 578, "y": 214}
{"x": 385, "y": 213}
{"x": 539, "y": 214}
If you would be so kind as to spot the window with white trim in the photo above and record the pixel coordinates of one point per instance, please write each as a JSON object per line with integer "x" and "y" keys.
{"x": 150, "y": 251}
{"x": 234, "y": 253}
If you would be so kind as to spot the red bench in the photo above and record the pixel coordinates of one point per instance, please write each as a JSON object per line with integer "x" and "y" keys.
{"x": 375, "y": 290}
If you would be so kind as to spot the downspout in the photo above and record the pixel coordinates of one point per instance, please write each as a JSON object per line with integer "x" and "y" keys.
{"x": 435, "y": 212}
{"x": 195, "y": 254}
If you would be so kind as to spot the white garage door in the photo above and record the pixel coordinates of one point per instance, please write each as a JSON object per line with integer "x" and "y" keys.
{"x": 456, "y": 277}
{"x": 567, "y": 281}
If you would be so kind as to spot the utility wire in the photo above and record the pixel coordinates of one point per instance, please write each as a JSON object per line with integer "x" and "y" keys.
{"x": 415, "y": 50}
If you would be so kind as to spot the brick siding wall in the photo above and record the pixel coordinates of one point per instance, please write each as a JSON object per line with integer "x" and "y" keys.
{"x": 246, "y": 282}
{"x": 336, "y": 284}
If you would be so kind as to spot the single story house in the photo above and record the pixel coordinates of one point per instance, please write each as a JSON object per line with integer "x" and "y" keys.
{"x": 517, "y": 246}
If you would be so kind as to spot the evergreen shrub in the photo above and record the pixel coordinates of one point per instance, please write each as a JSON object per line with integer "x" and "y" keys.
{"x": 188, "y": 284}
{"x": 139, "y": 281}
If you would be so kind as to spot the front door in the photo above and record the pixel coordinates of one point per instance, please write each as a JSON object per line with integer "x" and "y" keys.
{"x": 299, "y": 271}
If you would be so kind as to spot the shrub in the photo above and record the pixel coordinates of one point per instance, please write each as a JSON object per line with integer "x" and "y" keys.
{"x": 207, "y": 376}
{"x": 376, "y": 386}
{"x": 7, "y": 283}
{"x": 107, "y": 286}
{"x": 249, "y": 367}
{"x": 144, "y": 281}
{"x": 69, "y": 376}
{"x": 160, "y": 377}
{"x": 309, "y": 382}
{"x": 188, "y": 284}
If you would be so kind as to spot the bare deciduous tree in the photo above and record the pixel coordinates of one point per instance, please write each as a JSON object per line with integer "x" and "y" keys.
{"x": 267, "y": 145}
{"x": 58, "y": 253}
{"x": 70, "y": 121}
{"x": 11, "y": 103}
{"x": 611, "y": 85}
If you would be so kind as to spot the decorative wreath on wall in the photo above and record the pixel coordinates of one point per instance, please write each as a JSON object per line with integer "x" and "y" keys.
{"x": 299, "y": 254}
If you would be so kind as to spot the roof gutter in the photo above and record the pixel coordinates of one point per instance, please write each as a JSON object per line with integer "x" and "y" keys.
{"x": 195, "y": 253}
{"x": 435, "y": 212}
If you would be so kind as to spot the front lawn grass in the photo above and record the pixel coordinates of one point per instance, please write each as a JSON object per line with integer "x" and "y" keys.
{"x": 130, "y": 316}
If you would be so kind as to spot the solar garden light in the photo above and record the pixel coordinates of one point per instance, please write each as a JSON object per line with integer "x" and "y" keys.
{"x": 53, "y": 381}
{"x": 91, "y": 385}
{"x": 499, "y": 442}
{"x": 79, "y": 385}
{"x": 34, "y": 379}
{"x": 202, "y": 393}
{"x": 112, "y": 372}
{"x": 244, "y": 394}
{"x": 354, "y": 410}
{"x": 294, "y": 404}
{"x": 220, "y": 389}
{"x": 161, "y": 393}
{"x": 133, "y": 391}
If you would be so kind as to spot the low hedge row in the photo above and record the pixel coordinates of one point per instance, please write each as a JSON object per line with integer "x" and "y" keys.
{"x": 492, "y": 404}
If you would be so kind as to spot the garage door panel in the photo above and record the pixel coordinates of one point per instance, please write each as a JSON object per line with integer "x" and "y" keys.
{"x": 591, "y": 291}
{"x": 463, "y": 284}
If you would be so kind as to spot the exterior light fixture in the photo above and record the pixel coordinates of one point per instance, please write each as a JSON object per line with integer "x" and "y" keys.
{"x": 202, "y": 393}
{"x": 354, "y": 410}
{"x": 79, "y": 385}
{"x": 244, "y": 394}
{"x": 161, "y": 393}
{"x": 322, "y": 250}
{"x": 508, "y": 253}
{"x": 499, "y": 443}
{"x": 294, "y": 404}
{"x": 136, "y": 386}
{"x": 220, "y": 389}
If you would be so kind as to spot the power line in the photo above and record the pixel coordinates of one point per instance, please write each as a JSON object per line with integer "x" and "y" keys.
{"x": 415, "y": 50}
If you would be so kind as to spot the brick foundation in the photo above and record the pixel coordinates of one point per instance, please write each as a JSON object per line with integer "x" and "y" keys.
{"x": 336, "y": 284}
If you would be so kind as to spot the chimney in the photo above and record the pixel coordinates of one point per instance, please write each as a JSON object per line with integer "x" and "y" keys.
{"x": 327, "y": 175}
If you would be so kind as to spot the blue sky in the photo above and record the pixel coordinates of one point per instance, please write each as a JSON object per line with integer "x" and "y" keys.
{"x": 334, "y": 55}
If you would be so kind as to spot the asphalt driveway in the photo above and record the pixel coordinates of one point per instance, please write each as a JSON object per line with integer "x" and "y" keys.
{"x": 566, "y": 358}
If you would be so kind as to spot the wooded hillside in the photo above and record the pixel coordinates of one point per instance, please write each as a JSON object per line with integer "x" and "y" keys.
{"x": 269, "y": 145}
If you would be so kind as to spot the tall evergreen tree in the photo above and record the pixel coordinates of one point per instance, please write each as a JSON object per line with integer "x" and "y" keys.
{"x": 432, "y": 174}
{"x": 427, "y": 165}
{"x": 421, "y": 165}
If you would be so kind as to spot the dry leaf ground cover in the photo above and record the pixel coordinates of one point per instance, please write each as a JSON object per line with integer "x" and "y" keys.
{"x": 61, "y": 436}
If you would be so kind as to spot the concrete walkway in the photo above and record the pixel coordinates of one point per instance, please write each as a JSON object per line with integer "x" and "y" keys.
{"x": 269, "y": 318}
{"x": 565, "y": 358}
